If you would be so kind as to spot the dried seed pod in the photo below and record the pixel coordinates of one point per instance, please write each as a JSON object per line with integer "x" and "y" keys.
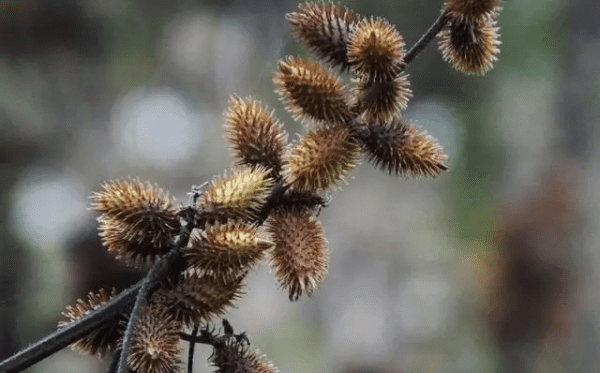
{"x": 311, "y": 91}
{"x": 197, "y": 299}
{"x": 470, "y": 46}
{"x": 138, "y": 220}
{"x": 104, "y": 339}
{"x": 154, "y": 344}
{"x": 376, "y": 49}
{"x": 130, "y": 244}
{"x": 254, "y": 134}
{"x": 131, "y": 200}
{"x": 472, "y": 10}
{"x": 223, "y": 251}
{"x": 321, "y": 159}
{"x": 384, "y": 100}
{"x": 398, "y": 147}
{"x": 241, "y": 194}
{"x": 300, "y": 257}
{"x": 324, "y": 29}
{"x": 233, "y": 356}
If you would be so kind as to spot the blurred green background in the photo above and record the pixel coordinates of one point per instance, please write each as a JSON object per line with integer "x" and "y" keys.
{"x": 491, "y": 267}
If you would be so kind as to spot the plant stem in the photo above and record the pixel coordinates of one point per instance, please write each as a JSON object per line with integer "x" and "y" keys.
{"x": 114, "y": 362}
{"x": 426, "y": 39}
{"x": 159, "y": 271}
{"x": 70, "y": 333}
{"x": 192, "y": 348}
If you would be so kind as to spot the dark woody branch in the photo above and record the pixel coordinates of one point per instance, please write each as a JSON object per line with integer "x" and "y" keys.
{"x": 192, "y": 348}
{"x": 63, "y": 337}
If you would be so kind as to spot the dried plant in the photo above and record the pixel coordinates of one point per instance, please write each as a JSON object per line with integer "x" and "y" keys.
{"x": 102, "y": 340}
{"x": 138, "y": 220}
{"x": 154, "y": 346}
{"x": 300, "y": 257}
{"x": 268, "y": 204}
{"x": 533, "y": 289}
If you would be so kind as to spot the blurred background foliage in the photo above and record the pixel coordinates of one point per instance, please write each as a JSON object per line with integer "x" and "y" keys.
{"x": 491, "y": 267}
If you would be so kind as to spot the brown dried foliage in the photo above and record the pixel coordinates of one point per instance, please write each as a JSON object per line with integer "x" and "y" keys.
{"x": 533, "y": 287}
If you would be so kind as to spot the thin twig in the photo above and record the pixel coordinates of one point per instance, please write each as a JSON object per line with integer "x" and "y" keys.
{"x": 159, "y": 271}
{"x": 112, "y": 368}
{"x": 70, "y": 333}
{"x": 192, "y": 348}
{"x": 204, "y": 338}
{"x": 435, "y": 29}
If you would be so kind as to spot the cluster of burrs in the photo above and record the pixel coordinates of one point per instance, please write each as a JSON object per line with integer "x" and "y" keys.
{"x": 267, "y": 205}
